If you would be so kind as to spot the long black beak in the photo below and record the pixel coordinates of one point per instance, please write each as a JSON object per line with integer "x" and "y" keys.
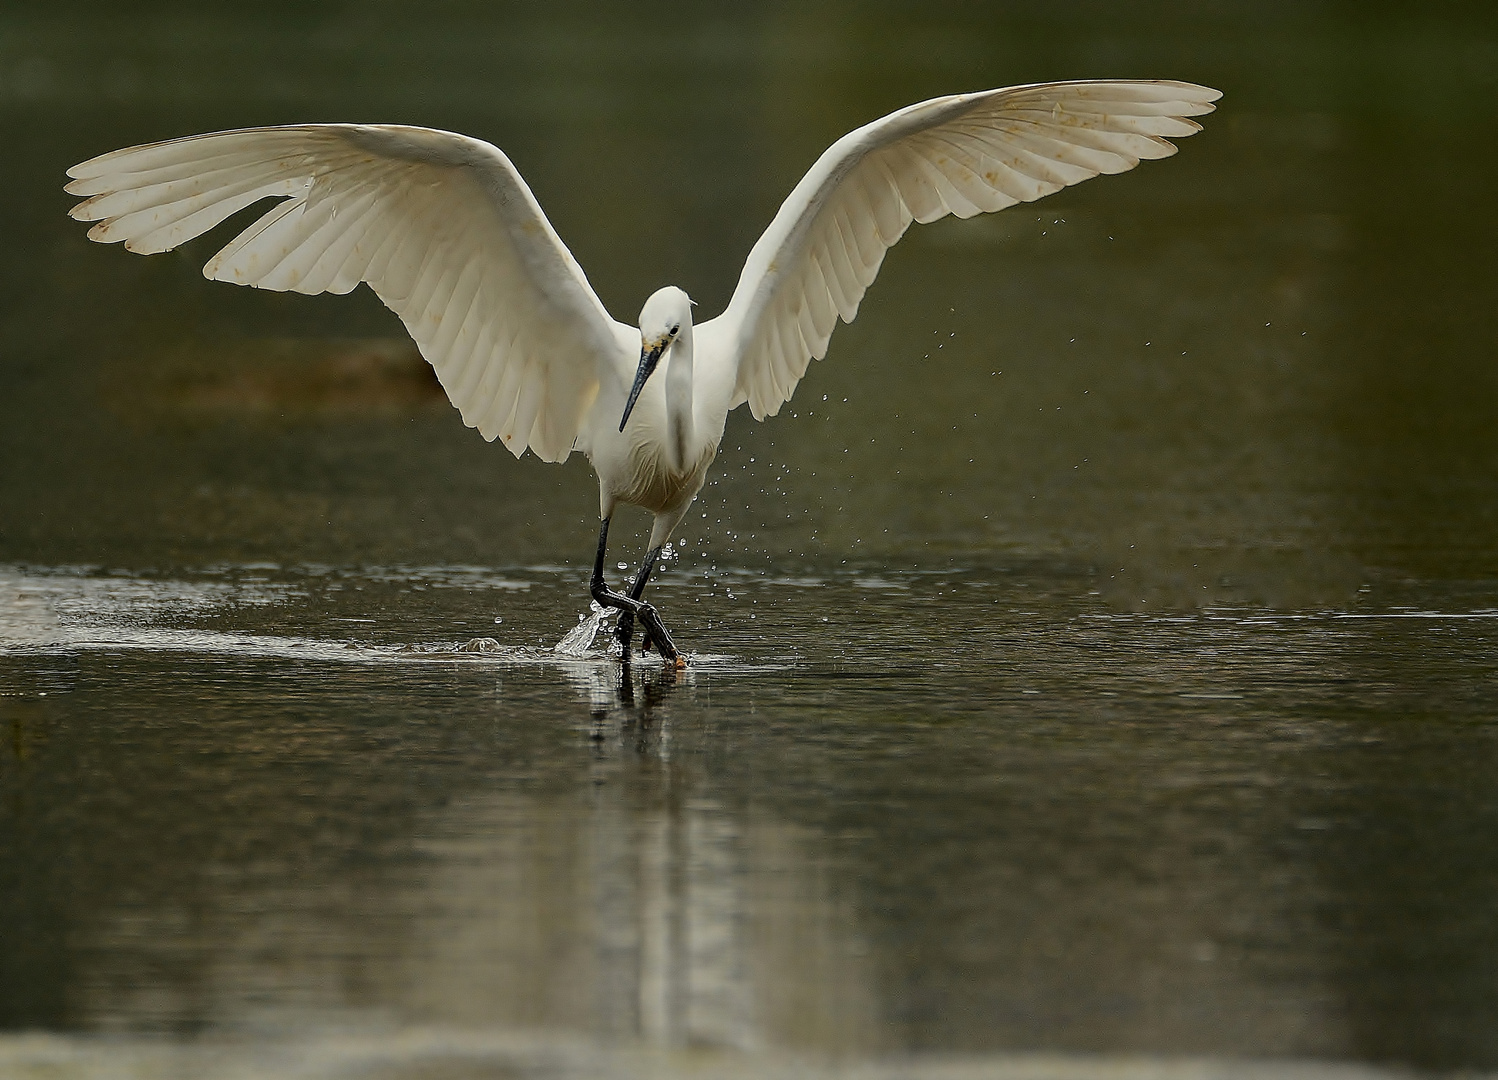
{"x": 649, "y": 357}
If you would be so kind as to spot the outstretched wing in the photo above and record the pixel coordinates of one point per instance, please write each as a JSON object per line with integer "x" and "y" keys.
{"x": 964, "y": 155}
{"x": 441, "y": 226}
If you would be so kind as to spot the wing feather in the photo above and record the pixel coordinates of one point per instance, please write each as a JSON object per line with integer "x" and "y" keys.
{"x": 863, "y": 251}
{"x": 440, "y": 226}
{"x": 792, "y": 344}
{"x": 106, "y": 179}
{"x": 467, "y": 364}
{"x": 406, "y": 261}
{"x": 917, "y": 191}
{"x": 818, "y": 296}
{"x": 962, "y": 155}
{"x": 891, "y": 215}
{"x": 298, "y": 243}
{"x": 503, "y": 404}
{"x": 213, "y": 270}
{"x": 329, "y": 271}
{"x": 849, "y": 282}
{"x": 367, "y": 242}
{"x": 177, "y": 191}
{"x": 527, "y": 403}
{"x": 484, "y": 343}
{"x": 461, "y": 306}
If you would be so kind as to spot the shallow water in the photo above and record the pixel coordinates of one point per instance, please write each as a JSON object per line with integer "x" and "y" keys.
{"x": 1049, "y": 825}
{"x": 1092, "y": 670}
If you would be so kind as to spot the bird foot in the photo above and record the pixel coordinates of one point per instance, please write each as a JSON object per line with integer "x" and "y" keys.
{"x": 654, "y": 634}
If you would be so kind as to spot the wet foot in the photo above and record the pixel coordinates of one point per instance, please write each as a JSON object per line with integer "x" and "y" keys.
{"x": 654, "y": 635}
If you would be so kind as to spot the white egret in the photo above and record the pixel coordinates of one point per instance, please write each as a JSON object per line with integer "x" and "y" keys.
{"x": 448, "y": 235}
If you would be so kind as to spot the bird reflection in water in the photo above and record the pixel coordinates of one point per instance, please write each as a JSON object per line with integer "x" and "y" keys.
{"x": 626, "y": 697}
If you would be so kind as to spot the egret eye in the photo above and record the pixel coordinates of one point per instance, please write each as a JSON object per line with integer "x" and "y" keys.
{"x": 675, "y": 330}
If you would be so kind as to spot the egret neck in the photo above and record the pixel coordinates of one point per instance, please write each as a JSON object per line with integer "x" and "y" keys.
{"x": 679, "y": 404}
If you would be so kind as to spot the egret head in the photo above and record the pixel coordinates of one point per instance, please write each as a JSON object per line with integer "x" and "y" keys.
{"x": 666, "y": 316}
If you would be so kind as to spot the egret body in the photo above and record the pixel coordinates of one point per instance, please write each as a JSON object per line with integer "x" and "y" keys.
{"x": 448, "y": 235}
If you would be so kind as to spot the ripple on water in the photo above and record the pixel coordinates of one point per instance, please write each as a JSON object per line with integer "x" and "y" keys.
{"x": 66, "y": 609}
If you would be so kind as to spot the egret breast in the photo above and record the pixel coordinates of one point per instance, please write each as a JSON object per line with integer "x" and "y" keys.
{"x": 651, "y": 482}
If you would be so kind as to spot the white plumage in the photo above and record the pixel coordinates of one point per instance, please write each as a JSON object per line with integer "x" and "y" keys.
{"x": 448, "y": 235}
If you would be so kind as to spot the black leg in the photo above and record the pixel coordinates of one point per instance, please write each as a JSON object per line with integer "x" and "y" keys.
{"x": 626, "y": 628}
{"x": 630, "y": 606}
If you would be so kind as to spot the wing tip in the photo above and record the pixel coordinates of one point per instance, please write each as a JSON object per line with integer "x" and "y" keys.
{"x": 507, "y": 439}
{"x": 764, "y": 409}
{"x": 100, "y": 164}
{"x": 489, "y": 434}
{"x": 1197, "y": 95}
{"x": 1192, "y": 99}
{"x": 518, "y": 447}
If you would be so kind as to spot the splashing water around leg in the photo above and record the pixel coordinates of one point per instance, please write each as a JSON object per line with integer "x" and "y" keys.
{"x": 579, "y": 640}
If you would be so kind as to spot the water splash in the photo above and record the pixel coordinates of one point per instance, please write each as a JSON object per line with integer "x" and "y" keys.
{"x": 481, "y": 645}
{"x": 579, "y": 640}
